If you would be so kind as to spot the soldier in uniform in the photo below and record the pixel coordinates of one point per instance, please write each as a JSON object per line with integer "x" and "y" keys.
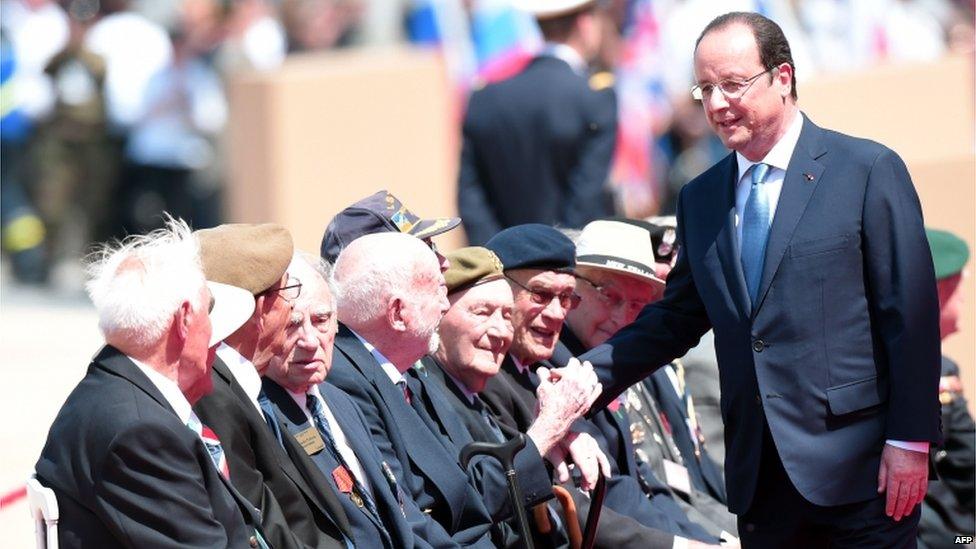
{"x": 949, "y": 508}
{"x": 537, "y": 147}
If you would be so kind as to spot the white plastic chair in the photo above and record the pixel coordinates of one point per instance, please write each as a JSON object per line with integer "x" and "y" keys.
{"x": 44, "y": 510}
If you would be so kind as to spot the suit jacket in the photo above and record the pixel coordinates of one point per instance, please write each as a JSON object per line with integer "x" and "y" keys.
{"x": 841, "y": 350}
{"x": 419, "y": 459}
{"x": 452, "y": 414}
{"x": 511, "y": 396}
{"x": 403, "y": 520}
{"x": 294, "y": 514}
{"x": 536, "y": 148}
{"x": 128, "y": 473}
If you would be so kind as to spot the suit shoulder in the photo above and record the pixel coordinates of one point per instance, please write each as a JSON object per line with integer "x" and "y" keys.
{"x": 858, "y": 149}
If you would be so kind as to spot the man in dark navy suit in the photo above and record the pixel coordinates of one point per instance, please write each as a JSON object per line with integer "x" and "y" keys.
{"x": 390, "y": 298}
{"x": 537, "y": 147}
{"x": 128, "y": 459}
{"x": 800, "y": 249}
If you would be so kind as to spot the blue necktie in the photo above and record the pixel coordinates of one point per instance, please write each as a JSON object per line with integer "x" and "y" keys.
{"x": 318, "y": 414}
{"x": 755, "y": 231}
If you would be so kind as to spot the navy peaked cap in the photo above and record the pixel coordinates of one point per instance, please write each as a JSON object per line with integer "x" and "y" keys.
{"x": 533, "y": 246}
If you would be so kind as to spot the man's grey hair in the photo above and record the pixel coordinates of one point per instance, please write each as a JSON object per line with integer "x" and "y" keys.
{"x": 138, "y": 284}
{"x": 572, "y": 234}
{"x": 318, "y": 264}
{"x": 376, "y": 267}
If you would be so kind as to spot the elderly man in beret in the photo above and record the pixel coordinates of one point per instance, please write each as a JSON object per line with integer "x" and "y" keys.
{"x": 475, "y": 335}
{"x": 949, "y": 508}
{"x": 650, "y": 434}
{"x": 390, "y": 299}
{"x": 539, "y": 263}
{"x": 129, "y": 461}
{"x": 381, "y": 212}
{"x": 295, "y": 512}
{"x": 331, "y": 429}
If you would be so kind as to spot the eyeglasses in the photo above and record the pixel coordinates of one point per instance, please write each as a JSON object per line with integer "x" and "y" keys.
{"x": 290, "y": 291}
{"x": 731, "y": 89}
{"x": 567, "y": 301}
{"x": 612, "y": 300}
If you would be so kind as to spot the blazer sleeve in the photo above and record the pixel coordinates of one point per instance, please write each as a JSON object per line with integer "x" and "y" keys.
{"x": 586, "y": 197}
{"x": 474, "y": 207}
{"x": 152, "y": 494}
{"x": 664, "y": 331}
{"x": 902, "y": 298}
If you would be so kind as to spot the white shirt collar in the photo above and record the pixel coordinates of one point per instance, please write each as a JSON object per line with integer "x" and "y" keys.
{"x": 518, "y": 365}
{"x": 391, "y": 371}
{"x": 779, "y": 156}
{"x": 567, "y": 54}
{"x": 170, "y": 390}
{"x": 243, "y": 371}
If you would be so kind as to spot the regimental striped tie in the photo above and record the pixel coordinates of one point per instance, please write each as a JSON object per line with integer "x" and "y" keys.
{"x": 212, "y": 444}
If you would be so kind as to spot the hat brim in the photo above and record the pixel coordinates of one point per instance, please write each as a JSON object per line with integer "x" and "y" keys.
{"x": 232, "y": 306}
{"x": 636, "y": 271}
{"x": 426, "y": 228}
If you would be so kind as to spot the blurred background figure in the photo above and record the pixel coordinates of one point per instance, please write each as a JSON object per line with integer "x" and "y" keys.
{"x": 949, "y": 508}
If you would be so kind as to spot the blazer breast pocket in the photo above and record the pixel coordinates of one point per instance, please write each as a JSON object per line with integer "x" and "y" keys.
{"x": 821, "y": 245}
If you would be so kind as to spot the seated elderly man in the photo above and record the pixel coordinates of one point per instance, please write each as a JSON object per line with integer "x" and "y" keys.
{"x": 618, "y": 273}
{"x": 475, "y": 335}
{"x": 295, "y": 512}
{"x": 129, "y": 461}
{"x": 331, "y": 429}
{"x": 539, "y": 263}
{"x": 390, "y": 298}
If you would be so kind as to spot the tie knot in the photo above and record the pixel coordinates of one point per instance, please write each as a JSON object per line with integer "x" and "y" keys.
{"x": 313, "y": 404}
{"x": 759, "y": 172}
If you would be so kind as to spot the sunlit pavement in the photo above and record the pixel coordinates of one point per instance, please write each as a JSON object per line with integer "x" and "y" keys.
{"x": 46, "y": 340}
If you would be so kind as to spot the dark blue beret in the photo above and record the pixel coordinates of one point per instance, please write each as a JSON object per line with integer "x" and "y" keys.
{"x": 533, "y": 246}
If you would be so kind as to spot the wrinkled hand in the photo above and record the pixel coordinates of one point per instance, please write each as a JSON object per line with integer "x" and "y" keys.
{"x": 588, "y": 457}
{"x": 904, "y": 475}
{"x": 564, "y": 395}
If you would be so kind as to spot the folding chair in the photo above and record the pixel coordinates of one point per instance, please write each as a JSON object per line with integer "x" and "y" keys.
{"x": 44, "y": 510}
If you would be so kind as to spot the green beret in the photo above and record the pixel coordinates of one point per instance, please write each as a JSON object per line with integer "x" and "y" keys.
{"x": 471, "y": 266}
{"x": 949, "y": 252}
{"x": 250, "y": 256}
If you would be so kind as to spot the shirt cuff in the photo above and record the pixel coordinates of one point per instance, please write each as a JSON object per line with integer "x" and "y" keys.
{"x": 922, "y": 447}
{"x": 680, "y": 543}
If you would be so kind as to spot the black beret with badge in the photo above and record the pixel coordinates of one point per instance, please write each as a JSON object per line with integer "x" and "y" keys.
{"x": 533, "y": 246}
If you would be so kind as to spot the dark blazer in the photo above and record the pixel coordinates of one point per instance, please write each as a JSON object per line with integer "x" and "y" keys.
{"x": 452, "y": 414}
{"x": 419, "y": 459}
{"x": 841, "y": 351}
{"x": 128, "y": 473}
{"x": 536, "y": 149}
{"x": 403, "y": 520}
{"x": 511, "y": 396}
{"x": 294, "y": 514}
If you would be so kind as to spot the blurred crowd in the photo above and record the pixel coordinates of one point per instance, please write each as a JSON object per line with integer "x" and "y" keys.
{"x": 114, "y": 110}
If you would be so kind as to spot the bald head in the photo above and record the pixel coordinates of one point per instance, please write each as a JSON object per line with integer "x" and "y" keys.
{"x": 390, "y": 290}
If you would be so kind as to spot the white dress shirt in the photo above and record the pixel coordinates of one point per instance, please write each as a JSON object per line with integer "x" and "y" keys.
{"x": 778, "y": 160}
{"x": 567, "y": 54}
{"x": 395, "y": 375}
{"x": 170, "y": 390}
{"x": 243, "y": 371}
{"x": 342, "y": 443}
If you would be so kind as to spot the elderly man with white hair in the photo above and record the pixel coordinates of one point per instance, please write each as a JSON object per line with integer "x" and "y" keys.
{"x": 129, "y": 461}
{"x": 390, "y": 299}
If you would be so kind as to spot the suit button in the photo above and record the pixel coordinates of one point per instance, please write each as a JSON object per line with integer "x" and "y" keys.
{"x": 758, "y": 345}
{"x": 253, "y": 541}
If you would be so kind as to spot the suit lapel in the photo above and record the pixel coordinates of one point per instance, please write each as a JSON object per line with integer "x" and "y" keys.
{"x": 114, "y": 361}
{"x": 802, "y": 177}
{"x": 726, "y": 244}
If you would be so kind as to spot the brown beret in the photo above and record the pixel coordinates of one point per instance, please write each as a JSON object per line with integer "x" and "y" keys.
{"x": 472, "y": 266}
{"x": 249, "y": 256}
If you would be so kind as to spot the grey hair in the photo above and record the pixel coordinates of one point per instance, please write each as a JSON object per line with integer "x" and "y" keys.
{"x": 572, "y": 234}
{"x": 374, "y": 268}
{"x": 138, "y": 284}
{"x": 320, "y": 265}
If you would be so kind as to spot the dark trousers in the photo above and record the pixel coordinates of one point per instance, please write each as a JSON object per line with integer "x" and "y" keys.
{"x": 780, "y": 517}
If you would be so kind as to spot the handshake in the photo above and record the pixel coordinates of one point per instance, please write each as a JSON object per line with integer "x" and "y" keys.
{"x": 564, "y": 395}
